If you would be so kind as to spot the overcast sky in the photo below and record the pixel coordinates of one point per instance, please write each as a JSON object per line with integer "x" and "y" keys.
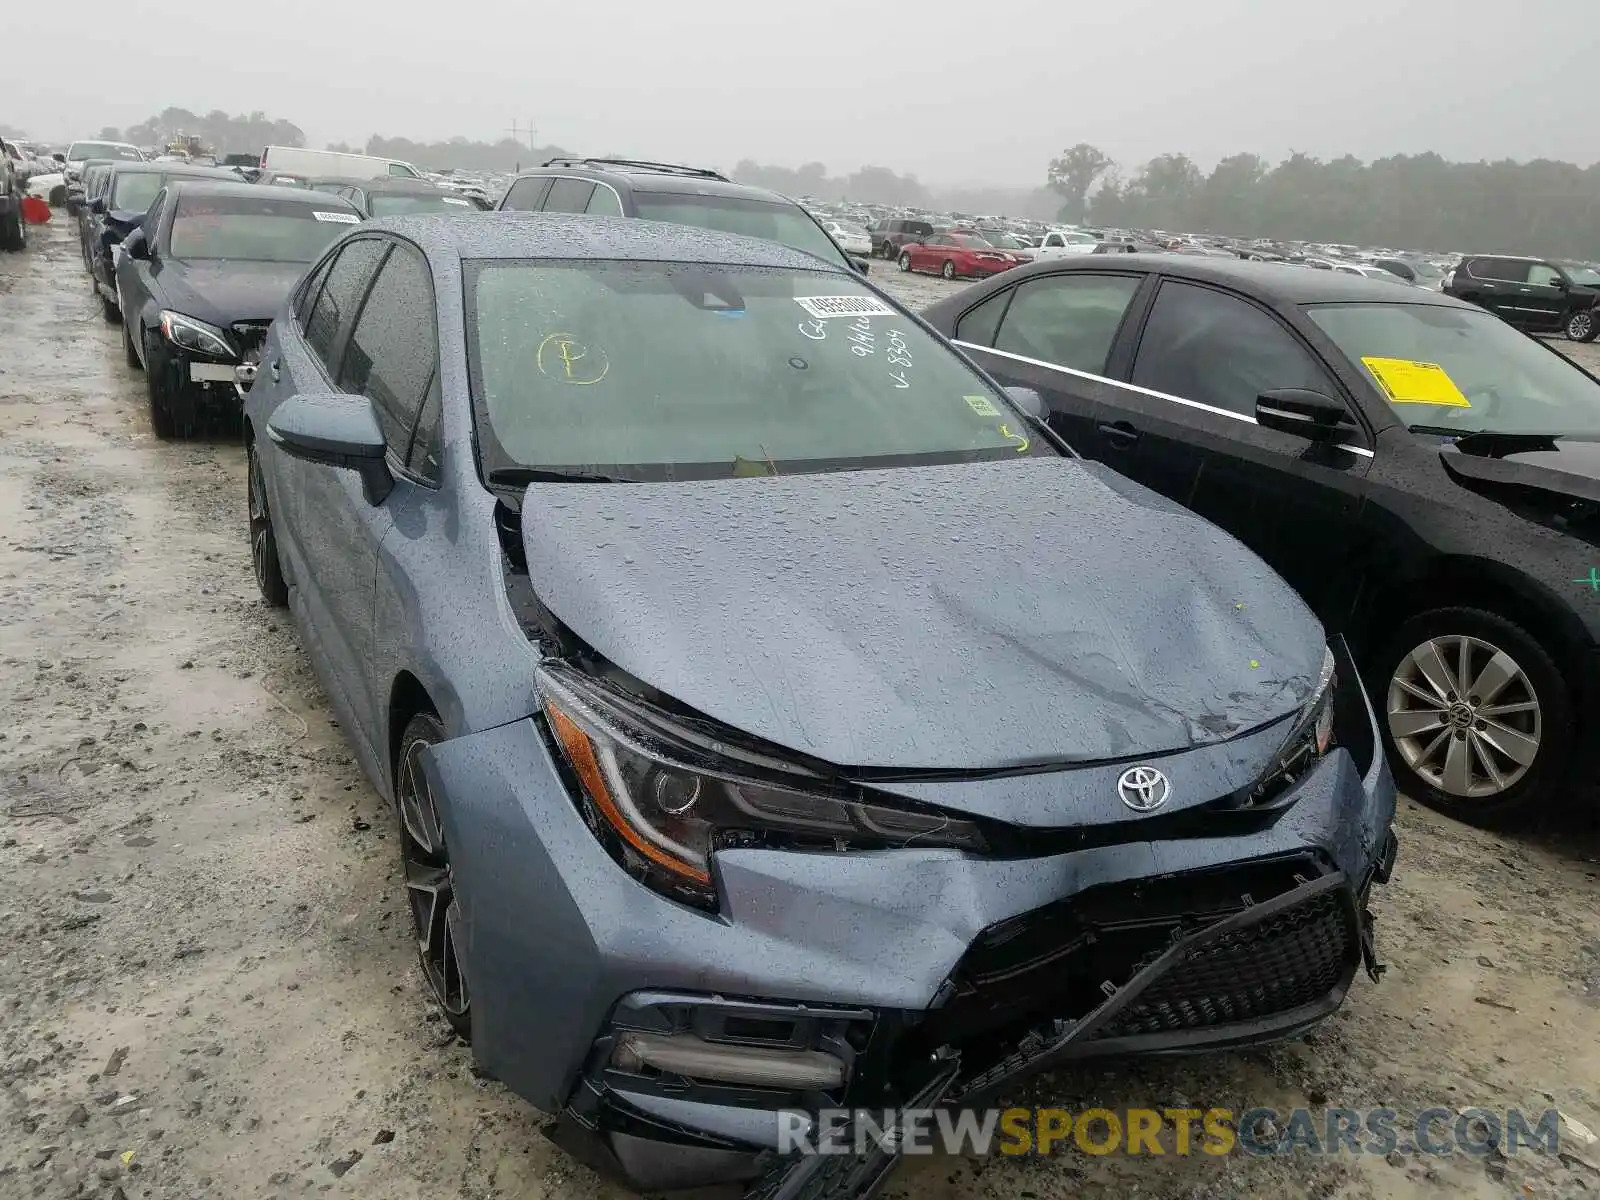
{"x": 965, "y": 93}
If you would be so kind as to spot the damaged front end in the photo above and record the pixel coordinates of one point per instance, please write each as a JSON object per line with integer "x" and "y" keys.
{"x": 815, "y": 943}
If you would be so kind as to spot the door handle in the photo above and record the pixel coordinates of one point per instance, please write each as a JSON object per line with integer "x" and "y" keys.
{"x": 1119, "y": 434}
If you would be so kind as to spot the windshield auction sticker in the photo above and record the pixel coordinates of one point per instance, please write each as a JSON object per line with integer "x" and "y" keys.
{"x": 1407, "y": 382}
{"x": 844, "y": 306}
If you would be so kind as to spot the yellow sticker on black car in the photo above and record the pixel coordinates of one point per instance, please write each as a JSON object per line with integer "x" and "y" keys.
{"x": 1408, "y": 382}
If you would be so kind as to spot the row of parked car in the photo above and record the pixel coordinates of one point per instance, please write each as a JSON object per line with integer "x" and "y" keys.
{"x": 1116, "y": 591}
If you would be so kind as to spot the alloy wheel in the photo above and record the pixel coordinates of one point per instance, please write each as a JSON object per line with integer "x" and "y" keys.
{"x": 430, "y": 888}
{"x": 260, "y": 527}
{"x": 905, "y": 262}
{"x": 1464, "y": 716}
{"x": 949, "y": 268}
{"x": 1580, "y": 325}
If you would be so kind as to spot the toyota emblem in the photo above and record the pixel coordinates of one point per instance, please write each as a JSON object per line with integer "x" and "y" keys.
{"x": 1143, "y": 789}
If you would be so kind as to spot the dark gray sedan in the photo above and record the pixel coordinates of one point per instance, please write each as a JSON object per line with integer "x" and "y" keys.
{"x": 776, "y": 718}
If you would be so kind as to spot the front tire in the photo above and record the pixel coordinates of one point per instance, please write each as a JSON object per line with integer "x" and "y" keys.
{"x": 430, "y": 884}
{"x": 172, "y": 405}
{"x": 129, "y": 351}
{"x": 949, "y": 269}
{"x": 13, "y": 231}
{"x": 1582, "y": 326}
{"x": 905, "y": 261}
{"x": 264, "y": 558}
{"x": 1475, "y": 716}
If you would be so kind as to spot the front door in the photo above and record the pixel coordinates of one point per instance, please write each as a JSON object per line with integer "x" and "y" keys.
{"x": 1202, "y": 359}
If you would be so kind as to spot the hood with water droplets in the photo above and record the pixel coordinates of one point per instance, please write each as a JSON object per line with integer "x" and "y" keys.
{"x": 975, "y": 616}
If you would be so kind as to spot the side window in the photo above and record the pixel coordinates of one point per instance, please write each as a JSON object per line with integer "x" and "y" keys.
{"x": 1070, "y": 319}
{"x": 423, "y": 459}
{"x": 1507, "y": 269}
{"x": 1205, "y": 345}
{"x": 307, "y": 295}
{"x": 568, "y": 195}
{"x": 527, "y": 195}
{"x": 336, "y": 304}
{"x": 402, "y": 170}
{"x": 939, "y": 239}
{"x": 1543, "y": 275}
{"x": 979, "y": 325}
{"x": 1052, "y": 239}
{"x": 604, "y": 203}
{"x": 392, "y": 351}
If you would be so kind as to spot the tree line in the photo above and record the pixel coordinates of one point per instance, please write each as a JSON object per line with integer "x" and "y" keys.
{"x": 1419, "y": 201}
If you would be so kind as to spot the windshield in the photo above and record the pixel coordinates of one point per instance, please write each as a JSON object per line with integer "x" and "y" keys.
{"x": 971, "y": 241}
{"x": 80, "y": 151}
{"x": 264, "y": 229}
{"x": 390, "y": 204}
{"x": 1003, "y": 240}
{"x": 1463, "y": 370}
{"x": 774, "y": 220}
{"x": 845, "y": 229}
{"x": 1578, "y": 273}
{"x": 644, "y": 370}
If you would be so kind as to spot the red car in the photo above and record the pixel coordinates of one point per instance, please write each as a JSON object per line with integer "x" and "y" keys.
{"x": 957, "y": 254}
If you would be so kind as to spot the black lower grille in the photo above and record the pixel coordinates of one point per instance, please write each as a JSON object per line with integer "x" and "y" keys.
{"x": 251, "y": 336}
{"x": 1293, "y": 958}
{"x": 1062, "y": 962}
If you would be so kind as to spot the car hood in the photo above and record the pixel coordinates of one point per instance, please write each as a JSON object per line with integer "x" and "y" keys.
{"x": 975, "y": 616}
{"x": 1557, "y": 467}
{"x": 222, "y": 292}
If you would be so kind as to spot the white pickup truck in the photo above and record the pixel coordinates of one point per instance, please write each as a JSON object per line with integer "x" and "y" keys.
{"x": 1059, "y": 243}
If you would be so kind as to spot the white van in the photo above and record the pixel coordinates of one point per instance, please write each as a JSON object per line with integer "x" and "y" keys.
{"x": 300, "y": 161}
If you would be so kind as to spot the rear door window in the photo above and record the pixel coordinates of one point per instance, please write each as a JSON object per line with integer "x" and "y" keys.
{"x": 527, "y": 195}
{"x": 1070, "y": 320}
{"x": 604, "y": 203}
{"x": 568, "y": 196}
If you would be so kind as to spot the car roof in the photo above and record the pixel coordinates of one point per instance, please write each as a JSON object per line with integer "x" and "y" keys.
{"x": 648, "y": 178}
{"x": 208, "y": 187}
{"x": 1276, "y": 283}
{"x": 192, "y": 170}
{"x": 523, "y": 235}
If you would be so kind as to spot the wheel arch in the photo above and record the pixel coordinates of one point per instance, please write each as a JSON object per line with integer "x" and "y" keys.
{"x": 1463, "y": 581}
{"x": 408, "y": 697}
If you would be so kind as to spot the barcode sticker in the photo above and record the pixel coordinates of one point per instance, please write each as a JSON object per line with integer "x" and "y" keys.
{"x": 844, "y": 306}
{"x": 341, "y": 218}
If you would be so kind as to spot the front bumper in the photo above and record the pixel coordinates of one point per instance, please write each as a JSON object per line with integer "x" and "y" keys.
{"x": 939, "y": 976}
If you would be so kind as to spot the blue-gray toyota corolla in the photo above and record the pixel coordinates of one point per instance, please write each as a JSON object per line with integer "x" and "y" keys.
{"x": 776, "y": 719}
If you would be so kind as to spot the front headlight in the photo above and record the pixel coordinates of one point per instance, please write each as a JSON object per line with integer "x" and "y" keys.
{"x": 196, "y": 335}
{"x": 1310, "y": 738}
{"x": 662, "y": 810}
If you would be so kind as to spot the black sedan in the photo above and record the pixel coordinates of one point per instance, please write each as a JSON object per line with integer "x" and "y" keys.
{"x": 118, "y": 210}
{"x": 199, "y": 282}
{"x": 1427, "y": 477}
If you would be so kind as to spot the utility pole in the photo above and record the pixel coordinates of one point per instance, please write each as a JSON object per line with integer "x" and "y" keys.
{"x": 517, "y": 133}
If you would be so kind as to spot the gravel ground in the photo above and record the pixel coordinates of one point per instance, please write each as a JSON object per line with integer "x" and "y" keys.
{"x": 207, "y": 987}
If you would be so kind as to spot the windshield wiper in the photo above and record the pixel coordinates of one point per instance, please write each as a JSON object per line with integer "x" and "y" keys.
{"x": 522, "y": 476}
{"x": 1443, "y": 430}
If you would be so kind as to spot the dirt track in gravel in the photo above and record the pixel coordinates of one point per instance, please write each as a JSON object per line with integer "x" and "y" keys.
{"x": 206, "y": 981}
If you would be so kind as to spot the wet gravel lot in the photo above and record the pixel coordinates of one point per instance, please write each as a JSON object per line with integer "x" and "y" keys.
{"x": 207, "y": 987}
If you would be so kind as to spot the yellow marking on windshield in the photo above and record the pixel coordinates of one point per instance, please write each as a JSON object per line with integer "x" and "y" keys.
{"x": 565, "y": 359}
{"x": 1408, "y": 382}
{"x": 1022, "y": 442}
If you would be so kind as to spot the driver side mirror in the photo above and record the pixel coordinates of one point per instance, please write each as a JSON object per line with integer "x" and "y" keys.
{"x": 137, "y": 245}
{"x": 98, "y": 205}
{"x": 1560, "y": 283}
{"x": 335, "y": 429}
{"x": 59, "y": 157}
{"x": 861, "y": 265}
{"x": 1304, "y": 413}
